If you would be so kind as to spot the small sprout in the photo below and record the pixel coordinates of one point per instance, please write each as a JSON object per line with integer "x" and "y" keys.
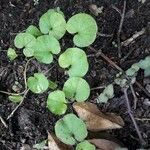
{"x": 38, "y": 83}
{"x": 33, "y": 30}
{"x": 40, "y": 146}
{"x": 76, "y": 60}
{"x": 84, "y": 27}
{"x": 52, "y": 85}
{"x": 133, "y": 70}
{"x": 76, "y": 88}
{"x": 26, "y": 41}
{"x": 56, "y": 102}
{"x": 46, "y": 45}
{"x": 11, "y": 54}
{"x": 16, "y": 98}
{"x": 85, "y": 145}
{"x": 70, "y": 129}
{"x": 107, "y": 94}
{"x": 120, "y": 81}
{"x": 53, "y": 23}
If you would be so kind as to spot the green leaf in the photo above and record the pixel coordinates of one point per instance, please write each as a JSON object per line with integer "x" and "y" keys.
{"x": 46, "y": 45}
{"x": 70, "y": 129}
{"x": 33, "y": 30}
{"x": 53, "y": 22}
{"x": 24, "y": 40}
{"x": 38, "y": 83}
{"x": 15, "y": 98}
{"x": 40, "y": 146}
{"x": 76, "y": 60}
{"x": 56, "y": 102}
{"x": 84, "y": 27}
{"x": 145, "y": 63}
{"x": 52, "y": 85}
{"x": 11, "y": 54}
{"x": 85, "y": 145}
{"x": 76, "y": 88}
{"x": 103, "y": 98}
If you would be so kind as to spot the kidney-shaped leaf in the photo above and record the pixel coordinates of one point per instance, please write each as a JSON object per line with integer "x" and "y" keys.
{"x": 84, "y": 27}
{"x": 38, "y": 83}
{"x": 76, "y": 88}
{"x": 53, "y": 22}
{"x": 70, "y": 129}
{"x": 76, "y": 60}
{"x": 46, "y": 45}
{"x": 85, "y": 145}
{"x": 33, "y": 30}
{"x": 56, "y": 102}
{"x": 95, "y": 119}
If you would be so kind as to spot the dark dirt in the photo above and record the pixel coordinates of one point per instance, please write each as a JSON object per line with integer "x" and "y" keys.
{"x": 32, "y": 120}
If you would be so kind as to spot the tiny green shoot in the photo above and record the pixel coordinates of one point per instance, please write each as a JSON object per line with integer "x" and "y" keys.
{"x": 85, "y": 145}
{"x": 15, "y": 98}
{"x": 11, "y": 54}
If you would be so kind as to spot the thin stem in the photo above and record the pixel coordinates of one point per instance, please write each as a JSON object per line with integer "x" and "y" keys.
{"x": 134, "y": 96}
{"x": 3, "y": 122}
{"x": 132, "y": 117}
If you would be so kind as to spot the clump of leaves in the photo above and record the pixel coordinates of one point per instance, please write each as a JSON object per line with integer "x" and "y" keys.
{"x": 38, "y": 83}
{"x": 76, "y": 60}
{"x": 84, "y": 27}
{"x": 11, "y": 54}
{"x": 70, "y": 129}
{"x": 53, "y": 23}
{"x": 56, "y": 102}
{"x": 76, "y": 88}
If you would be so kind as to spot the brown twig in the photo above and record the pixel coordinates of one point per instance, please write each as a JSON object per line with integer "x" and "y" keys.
{"x": 3, "y": 122}
{"x": 16, "y": 108}
{"x": 134, "y": 96}
{"x": 120, "y": 28}
{"x": 132, "y": 117}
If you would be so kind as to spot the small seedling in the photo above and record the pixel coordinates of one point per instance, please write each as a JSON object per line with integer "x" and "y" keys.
{"x": 15, "y": 98}
{"x": 76, "y": 60}
{"x": 56, "y": 102}
{"x": 106, "y": 94}
{"x": 45, "y": 47}
{"x": 84, "y": 27}
{"x": 11, "y": 54}
{"x": 76, "y": 88}
{"x": 70, "y": 129}
{"x": 38, "y": 83}
{"x": 53, "y": 23}
{"x": 85, "y": 145}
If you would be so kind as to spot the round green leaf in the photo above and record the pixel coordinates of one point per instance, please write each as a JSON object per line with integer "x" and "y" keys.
{"x": 76, "y": 88}
{"x": 76, "y": 60}
{"x": 84, "y": 27}
{"x": 38, "y": 83}
{"x": 11, "y": 54}
{"x": 56, "y": 102}
{"x": 15, "y": 98}
{"x": 24, "y": 40}
{"x": 33, "y": 30}
{"x": 53, "y": 22}
{"x": 85, "y": 145}
{"x": 46, "y": 45}
{"x": 70, "y": 129}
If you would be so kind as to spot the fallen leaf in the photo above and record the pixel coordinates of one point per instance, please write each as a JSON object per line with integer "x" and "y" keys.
{"x": 55, "y": 144}
{"x": 104, "y": 144}
{"x": 95, "y": 119}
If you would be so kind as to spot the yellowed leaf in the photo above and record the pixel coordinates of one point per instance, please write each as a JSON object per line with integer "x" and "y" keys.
{"x": 95, "y": 119}
{"x": 104, "y": 144}
{"x": 55, "y": 144}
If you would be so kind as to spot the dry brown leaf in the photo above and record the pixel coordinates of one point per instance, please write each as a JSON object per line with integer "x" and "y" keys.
{"x": 104, "y": 144}
{"x": 95, "y": 119}
{"x": 55, "y": 144}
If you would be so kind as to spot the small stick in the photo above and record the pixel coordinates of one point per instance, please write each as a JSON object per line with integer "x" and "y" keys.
{"x": 97, "y": 88}
{"x": 132, "y": 117}
{"x": 134, "y": 96}
{"x": 3, "y": 122}
{"x": 16, "y": 108}
{"x": 120, "y": 28}
{"x": 143, "y": 119}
